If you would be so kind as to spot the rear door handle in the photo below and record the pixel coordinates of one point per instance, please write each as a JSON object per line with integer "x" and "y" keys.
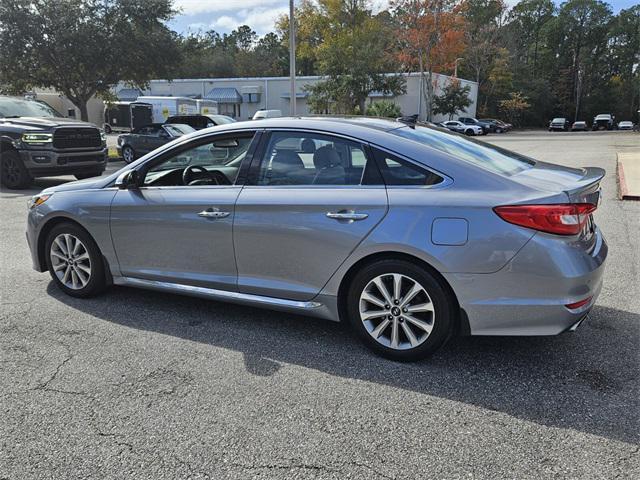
{"x": 347, "y": 215}
{"x": 211, "y": 213}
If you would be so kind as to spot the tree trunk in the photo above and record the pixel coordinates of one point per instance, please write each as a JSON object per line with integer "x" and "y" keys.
{"x": 84, "y": 114}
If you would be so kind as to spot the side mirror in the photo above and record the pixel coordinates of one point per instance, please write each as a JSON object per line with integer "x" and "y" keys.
{"x": 128, "y": 180}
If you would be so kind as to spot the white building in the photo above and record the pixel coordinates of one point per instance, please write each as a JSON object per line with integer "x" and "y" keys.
{"x": 240, "y": 98}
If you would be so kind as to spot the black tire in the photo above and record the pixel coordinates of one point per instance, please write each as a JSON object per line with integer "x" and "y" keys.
{"x": 469, "y": 132}
{"x": 84, "y": 176}
{"x": 96, "y": 282}
{"x": 14, "y": 174}
{"x": 443, "y": 304}
{"x": 128, "y": 154}
{"x": 499, "y": 130}
{"x": 107, "y": 128}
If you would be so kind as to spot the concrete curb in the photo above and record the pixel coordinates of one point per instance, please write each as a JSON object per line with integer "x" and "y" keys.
{"x": 623, "y": 189}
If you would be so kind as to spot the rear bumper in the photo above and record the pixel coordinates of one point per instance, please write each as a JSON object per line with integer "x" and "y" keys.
{"x": 529, "y": 295}
{"x": 42, "y": 163}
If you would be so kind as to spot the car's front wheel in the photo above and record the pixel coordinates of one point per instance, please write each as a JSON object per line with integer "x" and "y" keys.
{"x": 74, "y": 261}
{"x": 469, "y": 132}
{"x": 13, "y": 173}
{"x": 400, "y": 310}
{"x": 128, "y": 155}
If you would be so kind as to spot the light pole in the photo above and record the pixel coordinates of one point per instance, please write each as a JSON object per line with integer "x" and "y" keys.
{"x": 455, "y": 68}
{"x": 292, "y": 60}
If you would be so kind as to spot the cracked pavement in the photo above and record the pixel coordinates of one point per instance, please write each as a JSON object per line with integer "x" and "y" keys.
{"x": 144, "y": 385}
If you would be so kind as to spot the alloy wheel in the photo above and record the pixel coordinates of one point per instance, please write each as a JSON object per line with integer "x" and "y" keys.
{"x": 397, "y": 311}
{"x": 11, "y": 171}
{"x": 127, "y": 154}
{"x": 70, "y": 261}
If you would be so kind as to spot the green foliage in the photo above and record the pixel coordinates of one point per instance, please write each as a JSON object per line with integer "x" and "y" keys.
{"x": 84, "y": 47}
{"x": 351, "y": 56}
{"x": 384, "y": 108}
{"x": 576, "y": 59}
{"x": 514, "y": 107}
{"x": 453, "y": 99}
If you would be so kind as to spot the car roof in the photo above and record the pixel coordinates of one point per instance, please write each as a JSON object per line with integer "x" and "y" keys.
{"x": 329, "y": 124}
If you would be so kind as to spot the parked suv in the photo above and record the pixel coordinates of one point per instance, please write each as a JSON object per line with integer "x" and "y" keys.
{"x": 36, "y": 141}
{"x": 559, "y": 123}
{"x": 603, "y": 121}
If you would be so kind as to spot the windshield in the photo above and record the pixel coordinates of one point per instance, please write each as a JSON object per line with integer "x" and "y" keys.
{"x": 178, "y": 129}
{"x": 17, "y": 107}
{"x": 484, "y": 155}
{"x": 558, "y": 120}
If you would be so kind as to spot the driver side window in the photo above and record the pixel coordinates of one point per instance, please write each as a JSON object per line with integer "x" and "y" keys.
{"x": 216, "y": 162}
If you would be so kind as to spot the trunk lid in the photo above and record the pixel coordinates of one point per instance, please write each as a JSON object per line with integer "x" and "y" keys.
{"x": 580, "y": 185}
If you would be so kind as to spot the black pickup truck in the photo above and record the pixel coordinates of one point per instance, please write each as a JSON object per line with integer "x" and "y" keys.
{"x": 36, "y": 141}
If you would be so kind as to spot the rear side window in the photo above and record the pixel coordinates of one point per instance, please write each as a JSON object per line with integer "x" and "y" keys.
{"x": 484, "y": 155}
{"x": 396, "y": 171}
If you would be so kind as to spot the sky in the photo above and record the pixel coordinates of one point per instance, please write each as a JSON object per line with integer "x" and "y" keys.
{"x": 225, "y": 15}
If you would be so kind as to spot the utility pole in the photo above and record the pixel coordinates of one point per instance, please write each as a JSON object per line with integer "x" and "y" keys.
{"x": 292, "y": 60}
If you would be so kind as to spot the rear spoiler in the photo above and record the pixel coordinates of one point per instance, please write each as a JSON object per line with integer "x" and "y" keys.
{"x": 587, "y": 189}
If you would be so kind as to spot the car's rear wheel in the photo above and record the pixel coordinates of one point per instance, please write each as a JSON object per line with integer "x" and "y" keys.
{"x": 14, "y": 174}
{"x": 400, "y": 310}
{"x": 128, "y": 154}
{"x": 74, "y": 261}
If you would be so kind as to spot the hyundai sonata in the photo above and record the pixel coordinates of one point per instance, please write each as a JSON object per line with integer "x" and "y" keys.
{"x": 411, "y": 234}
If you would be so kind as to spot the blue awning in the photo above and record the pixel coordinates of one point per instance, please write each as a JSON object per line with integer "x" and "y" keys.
{"x": 128, "y": 94}
{"x": 287, "y": 95}
{"x": 224, "y": 95}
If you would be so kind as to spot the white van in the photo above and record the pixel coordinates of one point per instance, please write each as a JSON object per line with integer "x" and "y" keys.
{"x": 260, "y": 114}
{"x": 164, "y": 107}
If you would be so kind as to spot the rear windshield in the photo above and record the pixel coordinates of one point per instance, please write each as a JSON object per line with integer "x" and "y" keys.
{"x": 484, "y": 155}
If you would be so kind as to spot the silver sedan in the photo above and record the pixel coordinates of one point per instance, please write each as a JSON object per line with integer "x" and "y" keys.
{"x": 410, "y": 234}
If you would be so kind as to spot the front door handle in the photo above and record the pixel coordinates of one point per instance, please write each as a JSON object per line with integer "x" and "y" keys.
{"x": 347, "y": 215}
{"x": 211, "y": 213}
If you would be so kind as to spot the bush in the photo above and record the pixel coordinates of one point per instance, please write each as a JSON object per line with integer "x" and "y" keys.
{"x": 384, "y": 108}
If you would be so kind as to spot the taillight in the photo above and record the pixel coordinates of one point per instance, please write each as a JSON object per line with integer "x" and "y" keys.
{"x": 561, "y": 219}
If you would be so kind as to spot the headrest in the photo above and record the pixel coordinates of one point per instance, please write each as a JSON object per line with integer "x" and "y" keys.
{"x": 308, "y": 145}
{"x": 326, "y": 157}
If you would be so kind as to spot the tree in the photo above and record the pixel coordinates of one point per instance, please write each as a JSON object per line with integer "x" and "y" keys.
{"x": 431, "y": 37}
{"x": 528, "y": 18}
{"x": 514, "y": 106}
{"x": 384, "y": 108}
{"x": 84, "y": 47}
{"x": 352, "y": 56}
{"x": 454, "y": 98}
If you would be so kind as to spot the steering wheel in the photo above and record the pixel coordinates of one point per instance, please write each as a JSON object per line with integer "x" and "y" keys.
{"x": 201, "y": 172}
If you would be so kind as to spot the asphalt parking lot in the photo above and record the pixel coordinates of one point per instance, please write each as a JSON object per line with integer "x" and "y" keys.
{"x": 137, "y": 384}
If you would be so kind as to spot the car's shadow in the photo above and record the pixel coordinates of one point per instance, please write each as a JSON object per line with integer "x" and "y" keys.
{"x": 585, "y": 381}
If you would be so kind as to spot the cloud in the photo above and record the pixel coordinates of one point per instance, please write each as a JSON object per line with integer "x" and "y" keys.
{"x": 190, "y": 7}
{"x": 262, "y": 20}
